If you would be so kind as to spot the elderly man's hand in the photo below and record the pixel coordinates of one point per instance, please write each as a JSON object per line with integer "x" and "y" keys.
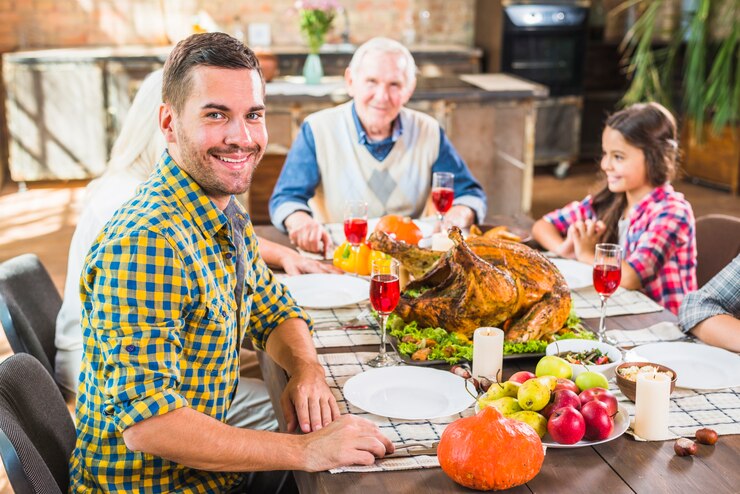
{"x": 307, "y": 401}
{"x": 298, "y": 264}
{"x": 307, "y": 233}
{"x": 460, "y": 216}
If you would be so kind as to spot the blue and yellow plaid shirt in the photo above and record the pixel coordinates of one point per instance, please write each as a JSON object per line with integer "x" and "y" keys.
{"x": 161, "y": 332}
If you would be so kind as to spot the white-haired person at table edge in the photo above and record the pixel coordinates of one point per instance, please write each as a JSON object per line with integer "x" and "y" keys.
{"x": 370, "y": 148}
{"x": 169, "y": 290}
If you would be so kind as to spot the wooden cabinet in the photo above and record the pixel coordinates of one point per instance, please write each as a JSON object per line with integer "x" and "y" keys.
{"x": 716, "y": 159}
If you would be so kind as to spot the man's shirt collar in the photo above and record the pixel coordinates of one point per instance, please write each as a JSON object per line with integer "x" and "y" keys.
{"x": 209, "y": 218}
{"x": 396, "y": 131}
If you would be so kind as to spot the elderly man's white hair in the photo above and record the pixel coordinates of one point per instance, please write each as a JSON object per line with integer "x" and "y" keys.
{"x": 384, "y": 45}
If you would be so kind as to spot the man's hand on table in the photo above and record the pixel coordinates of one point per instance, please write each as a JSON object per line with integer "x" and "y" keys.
{"x": 350, "y": 440}
{"x": 459, "y": 216}
{"x": 307, "y": 233}
{"x": 298, "y": 264}
{"x": 307, "y": 400}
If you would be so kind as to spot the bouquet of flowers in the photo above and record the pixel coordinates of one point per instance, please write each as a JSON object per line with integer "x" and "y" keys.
{"x": 316, "y": 18}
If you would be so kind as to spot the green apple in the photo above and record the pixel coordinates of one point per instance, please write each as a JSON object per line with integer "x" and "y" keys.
{"x": 499, "y": 390}
{"x": 591, "y": 379}
{"x": 533, "y": 395}
{"x": 533, "y": 419}
{"x": 506, "y": 405}
{"x": 552, "y": 365}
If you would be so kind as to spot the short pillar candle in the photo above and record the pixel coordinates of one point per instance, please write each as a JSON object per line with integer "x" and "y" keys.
{"x": 488, "y": 353}
{"x": 652, "y": 402}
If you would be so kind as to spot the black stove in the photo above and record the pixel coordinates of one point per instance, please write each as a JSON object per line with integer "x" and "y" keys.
{"x": 545, "y": 42}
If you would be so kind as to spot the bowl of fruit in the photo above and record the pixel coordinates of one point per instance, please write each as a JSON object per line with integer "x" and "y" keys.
{"x": 627, "y": 376}
{"x": 559, "y": 409}
{"x": 583, "y": 355}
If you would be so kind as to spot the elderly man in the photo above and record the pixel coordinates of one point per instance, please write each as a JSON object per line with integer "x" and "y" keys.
{"x": 170, "y": 288}
{"x": 370, "y": 148}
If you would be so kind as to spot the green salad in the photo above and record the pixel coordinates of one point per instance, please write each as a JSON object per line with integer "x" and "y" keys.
{"x": 437, "y": 344}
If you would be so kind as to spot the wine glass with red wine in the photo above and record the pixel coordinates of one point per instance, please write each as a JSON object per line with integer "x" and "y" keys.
{"x": 355, "y": 224}
{"x": 385, "y": 291}
{"x": 443, "y": 193}
{"x": 607, "y": 276}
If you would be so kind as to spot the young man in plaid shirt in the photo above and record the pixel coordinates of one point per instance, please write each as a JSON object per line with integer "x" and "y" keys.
{"x": 169, "y": 290}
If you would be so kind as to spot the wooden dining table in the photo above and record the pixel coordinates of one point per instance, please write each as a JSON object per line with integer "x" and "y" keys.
{"x": 622, "y": 465}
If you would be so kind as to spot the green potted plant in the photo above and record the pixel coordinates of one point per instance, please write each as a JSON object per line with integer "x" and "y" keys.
{"x": 704, "y": 55}
{"x": 316, "y": 17}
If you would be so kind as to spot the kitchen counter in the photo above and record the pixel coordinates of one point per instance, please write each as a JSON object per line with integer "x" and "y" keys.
{"x": 65, "y": 107}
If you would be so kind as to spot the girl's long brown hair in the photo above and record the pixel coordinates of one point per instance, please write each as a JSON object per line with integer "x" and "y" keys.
{"x": 651, "y": 128}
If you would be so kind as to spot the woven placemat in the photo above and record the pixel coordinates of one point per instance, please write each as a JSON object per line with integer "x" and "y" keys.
{"x": 691, "y": 410}
{"x": 348, "y": 326}
{"x": 662, "y": 331}
{"x": 339, "y": 367}
{"x": 587, "y": 303}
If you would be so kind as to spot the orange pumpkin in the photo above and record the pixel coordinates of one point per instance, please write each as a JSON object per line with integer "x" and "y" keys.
{"x": 400, "y": 227}
{"x": 488, "y": 451}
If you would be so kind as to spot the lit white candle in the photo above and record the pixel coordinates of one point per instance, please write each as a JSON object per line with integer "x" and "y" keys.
{"x": 652, "y": 401}
{"x": 441, "y": 242}
{"x": 488, "y": 352}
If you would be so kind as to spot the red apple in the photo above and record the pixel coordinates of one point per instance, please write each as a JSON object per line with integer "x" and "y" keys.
{"x": 604, "y": 396}
{"x": 599, "y": 424}
{"x": 561, "y": 398}
{"x": 522, "y": 376}
{"x": 566, "y": 384}
{"x": 566, "y": 425}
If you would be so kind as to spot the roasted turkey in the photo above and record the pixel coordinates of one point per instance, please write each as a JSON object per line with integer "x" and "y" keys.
{"x": 481, "y": 282}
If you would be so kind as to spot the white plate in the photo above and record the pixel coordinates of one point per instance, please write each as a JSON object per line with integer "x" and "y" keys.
{"x": 697, "y": 366}
{"x": 577, "y": 274}
{"x": 621, "y": 424}
{"x": 327, "y": 291}
{"x": 411, "y": 393}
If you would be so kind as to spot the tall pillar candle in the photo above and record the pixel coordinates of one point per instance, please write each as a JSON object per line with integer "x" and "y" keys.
{"x": 488, "y": 352}
{"x": 652, "y": 402}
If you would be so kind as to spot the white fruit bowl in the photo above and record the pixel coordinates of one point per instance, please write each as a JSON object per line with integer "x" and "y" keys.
{"x": 562, "y": 346}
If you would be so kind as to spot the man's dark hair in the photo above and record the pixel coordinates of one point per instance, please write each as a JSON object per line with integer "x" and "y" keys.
{"x": 207, "y": 49}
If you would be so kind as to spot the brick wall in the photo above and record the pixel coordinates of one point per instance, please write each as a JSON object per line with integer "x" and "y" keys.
{"x": 32, "y": 24}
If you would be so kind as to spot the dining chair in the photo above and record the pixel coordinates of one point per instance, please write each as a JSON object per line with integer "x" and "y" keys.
{"x": 37, "y": 434}
{"x": 717, "y": 243}
{"x": 29, "y": 304}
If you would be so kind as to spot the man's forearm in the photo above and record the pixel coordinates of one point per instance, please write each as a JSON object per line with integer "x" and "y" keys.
{"x": 721, "y": 330}
{"x": 291, "y": 347}
{"x": 198, "y": 441}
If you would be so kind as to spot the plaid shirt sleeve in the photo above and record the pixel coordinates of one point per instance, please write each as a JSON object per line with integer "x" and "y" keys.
{"x": 272, "y": 303}
{"x": 564, "y": 217}
{"x": 721, "y": 295}
{"x": 657, "y": 243}
{"x": 137, "y": 285}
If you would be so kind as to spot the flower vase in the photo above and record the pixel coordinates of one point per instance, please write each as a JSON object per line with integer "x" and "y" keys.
{"x": 312, "y": 70}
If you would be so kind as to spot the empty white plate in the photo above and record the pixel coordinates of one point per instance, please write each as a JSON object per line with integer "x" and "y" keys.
{"x": 577, "y": 274}
{"x": 697, "y": 366}
{"x": 327, "y": 291}
{"x": 411, "y": 393}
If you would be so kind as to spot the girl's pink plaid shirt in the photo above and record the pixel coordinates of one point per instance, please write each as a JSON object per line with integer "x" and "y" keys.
{"x": 660, "y": 242}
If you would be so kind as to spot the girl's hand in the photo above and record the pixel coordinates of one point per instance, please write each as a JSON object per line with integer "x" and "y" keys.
{"x": 586, "y": 234}
{"x": 566, "y": 248}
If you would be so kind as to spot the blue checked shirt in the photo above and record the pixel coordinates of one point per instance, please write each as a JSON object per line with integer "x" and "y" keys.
{"x": 721, "y": 295}
{"x": 161, "y": 329}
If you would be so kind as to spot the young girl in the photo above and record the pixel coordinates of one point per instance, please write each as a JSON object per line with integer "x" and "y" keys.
{"x": 637, "y": 209}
